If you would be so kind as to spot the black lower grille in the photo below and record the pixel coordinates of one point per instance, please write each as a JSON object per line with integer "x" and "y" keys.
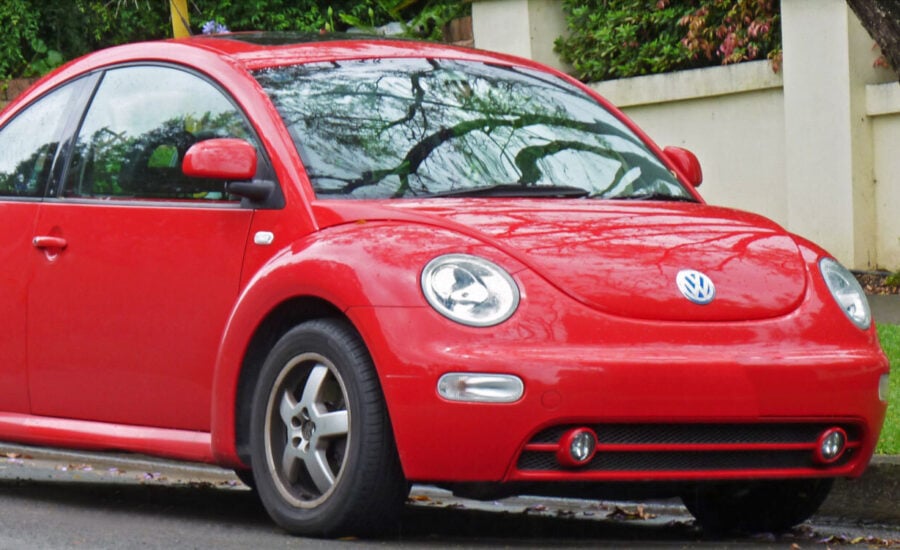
{"x": 623, "y": 442}
{"x": 617, "y": 434}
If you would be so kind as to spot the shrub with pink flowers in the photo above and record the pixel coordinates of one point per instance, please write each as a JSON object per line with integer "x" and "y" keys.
{"x": 623, "y": 38}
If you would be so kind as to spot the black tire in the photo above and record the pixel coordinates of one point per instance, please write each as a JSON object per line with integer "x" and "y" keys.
{"x": 319, "y": 393}
{"x": 754, "y": 507}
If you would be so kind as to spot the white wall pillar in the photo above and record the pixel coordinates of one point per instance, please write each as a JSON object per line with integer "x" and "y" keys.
{"x": 828, "y": 60}
{"x": 883, "y": 102}
{"x": 526, "y": 28}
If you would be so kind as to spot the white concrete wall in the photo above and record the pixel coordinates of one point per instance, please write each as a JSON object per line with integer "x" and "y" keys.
{"x": 828, "y": 59}
{"x": 731, "y": 117}
{"x": 816, "y": 149}
{"x": 527, "y": 28}
{"x": 883, "y": 106}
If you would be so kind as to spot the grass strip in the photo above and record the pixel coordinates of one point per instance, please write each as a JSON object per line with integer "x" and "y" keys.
{"x": 889, "y": 443}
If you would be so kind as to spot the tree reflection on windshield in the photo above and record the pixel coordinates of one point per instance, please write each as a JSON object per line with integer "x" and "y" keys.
{"x": 382, "y": 128}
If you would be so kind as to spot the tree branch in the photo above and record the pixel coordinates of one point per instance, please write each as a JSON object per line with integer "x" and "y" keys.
{"x": 882, "y": 19}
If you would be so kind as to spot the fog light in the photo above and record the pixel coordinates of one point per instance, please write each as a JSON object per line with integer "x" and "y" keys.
{"x": 480, "y": 388}
{"x": 577, "y": 447}
{"x": 883, "y": 387}
{"x": 831, "y": 445}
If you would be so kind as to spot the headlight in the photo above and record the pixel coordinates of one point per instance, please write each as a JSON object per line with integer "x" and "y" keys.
{"x": 469, "y": 290}
{"x": 846, "y": 292}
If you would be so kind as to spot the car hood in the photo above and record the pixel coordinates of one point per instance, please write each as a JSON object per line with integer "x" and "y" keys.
{"x": 621, "y": 257}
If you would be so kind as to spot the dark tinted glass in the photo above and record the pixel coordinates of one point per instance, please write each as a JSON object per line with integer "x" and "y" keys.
{"x": 138, "y": 127}
{"x": 29, "y": 142}
{"x": 385, "y": 128}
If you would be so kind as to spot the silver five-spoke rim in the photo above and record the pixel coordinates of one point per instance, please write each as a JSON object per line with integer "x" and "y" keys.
{"x": 307, "y": 430}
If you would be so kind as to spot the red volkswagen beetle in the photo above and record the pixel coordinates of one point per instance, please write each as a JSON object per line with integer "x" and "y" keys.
{"x": 343, "y": 266}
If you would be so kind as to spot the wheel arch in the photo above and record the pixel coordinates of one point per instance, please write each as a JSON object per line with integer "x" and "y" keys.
{"x": 244, "y": 349}
{"x": 281, "y": 296}
{"x": 284, "y": 317}
{"x": 326, "y": 274}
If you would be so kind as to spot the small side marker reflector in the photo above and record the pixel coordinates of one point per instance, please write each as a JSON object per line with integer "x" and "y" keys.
{"x": 480, "y": 388}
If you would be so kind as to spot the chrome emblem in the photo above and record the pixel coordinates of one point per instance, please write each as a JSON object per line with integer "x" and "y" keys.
{"x": 695, "y": 286}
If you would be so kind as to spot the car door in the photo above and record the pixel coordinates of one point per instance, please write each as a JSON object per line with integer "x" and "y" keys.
{"x": 28, "y": 147}
{"x": 139, "y": 264}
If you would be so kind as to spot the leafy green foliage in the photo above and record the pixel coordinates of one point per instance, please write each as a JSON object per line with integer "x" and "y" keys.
{"x": 623, "y": 38}
{"x": 40, "y": 34}
{"x": 270, "y": 15}
{"x": 21, "y": 44}
{"x": 893, "y": 279}
{"x": 890, "y": 434}
{"x": 419, "y": 18}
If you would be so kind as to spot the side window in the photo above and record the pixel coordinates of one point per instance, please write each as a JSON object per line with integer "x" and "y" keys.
{"x": 29, "y": 141}
{"x": 137, "y": 129}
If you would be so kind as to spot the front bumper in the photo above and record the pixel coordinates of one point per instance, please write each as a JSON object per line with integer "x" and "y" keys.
{"x": 688, "y": 401}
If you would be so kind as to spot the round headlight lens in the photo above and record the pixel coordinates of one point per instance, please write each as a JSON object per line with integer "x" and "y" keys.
{"x": 469, "y": 290}
{"x": 846, "y": 292}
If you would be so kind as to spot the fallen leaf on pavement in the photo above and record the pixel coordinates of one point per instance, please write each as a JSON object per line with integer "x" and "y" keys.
{"x": 17, "y": 457}
{"x": 638, "y": 513}
{"x": 536, "y": 509}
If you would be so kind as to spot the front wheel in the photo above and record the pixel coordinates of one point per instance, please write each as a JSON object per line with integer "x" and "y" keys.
{"x": 766, "y": 506}
{"x": 322, "y": 449}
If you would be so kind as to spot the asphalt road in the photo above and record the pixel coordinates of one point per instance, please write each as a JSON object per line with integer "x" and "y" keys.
{"x": 74, "y": 500}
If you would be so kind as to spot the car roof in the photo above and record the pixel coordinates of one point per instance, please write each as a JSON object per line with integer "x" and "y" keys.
{"x": 252, "y": 51}
{"x": 257, "y": 50}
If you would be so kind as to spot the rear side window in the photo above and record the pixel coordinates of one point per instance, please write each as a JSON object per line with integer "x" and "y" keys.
{"x": 137, "y": 129}
{"x": 29, "y": 143}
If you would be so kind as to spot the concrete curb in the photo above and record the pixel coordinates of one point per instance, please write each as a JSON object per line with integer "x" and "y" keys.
{"x": 885, "y": 308}
{"x": 873, "y": 498}
{"x": 103, "y": 461}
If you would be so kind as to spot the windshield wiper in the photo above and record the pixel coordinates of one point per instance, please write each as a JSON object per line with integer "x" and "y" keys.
{"x": 517, "y": 190}
{"x": 654, "y": 197}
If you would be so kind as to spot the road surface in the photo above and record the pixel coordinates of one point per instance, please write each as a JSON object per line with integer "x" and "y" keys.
{"x": 61, "y": 500}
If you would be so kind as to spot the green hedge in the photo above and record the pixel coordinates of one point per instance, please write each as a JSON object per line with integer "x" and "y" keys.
{"x": 422, "y": 18}
{"x": 41, "y": 34}
{"x": 624, "y": 38}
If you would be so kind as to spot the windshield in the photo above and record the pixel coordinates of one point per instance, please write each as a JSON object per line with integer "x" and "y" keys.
{"x": 402, "y": 128}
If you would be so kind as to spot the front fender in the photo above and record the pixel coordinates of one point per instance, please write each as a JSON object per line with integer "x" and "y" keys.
{"x": 362, "y": 264}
